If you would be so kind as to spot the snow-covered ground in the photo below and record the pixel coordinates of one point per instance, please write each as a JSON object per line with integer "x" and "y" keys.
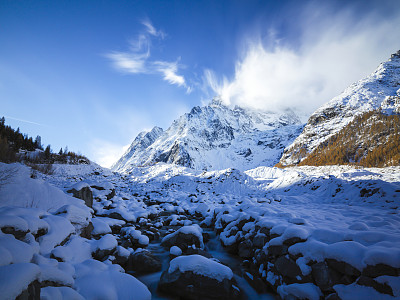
{"x": 338, "y": 217}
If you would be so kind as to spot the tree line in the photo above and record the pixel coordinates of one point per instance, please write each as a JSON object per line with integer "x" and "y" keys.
{"x": 16, "y": 146}
{"x": 370, "y": 140}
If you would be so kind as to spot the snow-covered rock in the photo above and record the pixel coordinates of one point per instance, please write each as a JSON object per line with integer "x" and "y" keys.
{"x": 184, "y": 237}
{"x": 195, "y": 276}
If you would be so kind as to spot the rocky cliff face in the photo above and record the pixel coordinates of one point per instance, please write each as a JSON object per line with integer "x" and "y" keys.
{"x": 215, "y": 137}
{"x": 380, "y": 90}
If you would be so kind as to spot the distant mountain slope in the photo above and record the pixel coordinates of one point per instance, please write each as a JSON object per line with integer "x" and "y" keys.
{"x": 215, "y": 137}
{"x": 370, "y": 140}
{"x": 380, "y": 90}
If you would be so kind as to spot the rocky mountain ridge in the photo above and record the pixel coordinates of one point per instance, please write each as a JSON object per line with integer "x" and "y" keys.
{"x": 215, "y": 136}
{"x": 378, "y": 91}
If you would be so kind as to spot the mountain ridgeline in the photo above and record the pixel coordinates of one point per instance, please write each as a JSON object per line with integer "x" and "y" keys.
{"x": 215, "y": 136}
{"x": 360, "y": 126}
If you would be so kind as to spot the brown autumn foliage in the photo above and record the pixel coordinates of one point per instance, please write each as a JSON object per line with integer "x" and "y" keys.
{"x": 370, "y": 140}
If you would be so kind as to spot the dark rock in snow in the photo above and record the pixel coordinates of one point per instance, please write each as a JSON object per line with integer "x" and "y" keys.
{"x": 85, "y": 193}
{"x": 380, "y": 270}
{"x": 40, "y": 232}
{"x": 86, "y": 232}
{"x": 266, "y": 231}
{"x": 293, "y": 240}
{"x": 381, "y": 288}
{"x": 189, "y": 285}
{"x": 245, "y": 249}
{"x": 143, "y": 262}
{"x": 343, "y": 267}
{"x": 18, "y": 234}
{"x": 182, "y": 240}
{"x": 31, "y": 293}
{"x": 278, "y": 250}
{"x": 121, "y": 260}
{"x": 324, "y": 277}
{"x": 116, "y": 215}
{"x": 287, "y": 267}
{"x": 111, "y": 194}
{"x": 255, "y": 281}
{"x": 259, "y": 240}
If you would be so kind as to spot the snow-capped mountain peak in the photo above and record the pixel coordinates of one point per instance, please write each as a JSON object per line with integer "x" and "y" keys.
{"x": 216, "y": 136}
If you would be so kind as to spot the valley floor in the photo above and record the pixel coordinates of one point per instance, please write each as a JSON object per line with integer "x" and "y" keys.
{"x": 305, "y": 232}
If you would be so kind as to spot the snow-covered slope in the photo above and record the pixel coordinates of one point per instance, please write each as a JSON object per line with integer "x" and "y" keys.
{"x": 381, "y": 89}
{"x": 215, "y": 137}
{"x": 329, "y": 232}
{"x": 138, "y": 146}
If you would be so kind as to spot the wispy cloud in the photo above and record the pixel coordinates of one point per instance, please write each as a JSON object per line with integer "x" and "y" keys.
{"x": 129, "y": 62}
{"x": 138, "y": 59}
{"x": 335, "y": 48}
{"x": 151, "y": 30}
{"x": 24, "y": 121}
{"x": 169, "y": 71}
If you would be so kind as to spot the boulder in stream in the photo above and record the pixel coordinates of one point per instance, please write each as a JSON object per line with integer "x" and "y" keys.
{"x": 198, "y": 277}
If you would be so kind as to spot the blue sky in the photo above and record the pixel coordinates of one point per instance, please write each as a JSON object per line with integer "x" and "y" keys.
{"x": 93, "y": 74}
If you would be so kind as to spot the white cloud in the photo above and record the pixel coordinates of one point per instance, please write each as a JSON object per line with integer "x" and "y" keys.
{"x": 151, "y": 29}
{"x": 169, "y": 70}
{"x": 334, "y": 50}
{"x": 137, "y": 59}
{"x": 105, "y": 153}
{"x": 131, "y": 63}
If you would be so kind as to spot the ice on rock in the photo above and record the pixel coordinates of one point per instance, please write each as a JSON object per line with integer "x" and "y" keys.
{"x": 76, "y": 250}
{"x": 59, "y": 293}
{"x": 5, "y": 256}
{"x": 56, "y": 275}
{"x": 192, "y": 229}
{"x": 347, "y": 251}
{"x": 97, "y": 281}
{"x": 76, "y": 215}
{"x": 100, "y": 227}
{"x": 175, "y": 250}
{"x": 383, "y": 255}
{"x": 122, "y": 213}
{"x": 123, "y": 252}
{"x": 15, "y": 278}
{"x": 302, "y": 263}
{"x": 79, "y": 185}
{"x": 136, "y": 235}
{"x": 202, "y": 266}
{"x": 110, "y": 221}
{"x": 14, "y": 250}
{"x": 59, "y": 230}
{"x": 202, "y": 209}
{"x": 393, "y": 282}
{"x": 14, "y": 222}
{"x": 23, "y": 219}
{"x": 107, "y": 242}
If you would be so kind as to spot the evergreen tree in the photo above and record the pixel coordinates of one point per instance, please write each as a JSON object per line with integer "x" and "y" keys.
{"x": 38, "y": 142}
{"x": 47, "y": 152}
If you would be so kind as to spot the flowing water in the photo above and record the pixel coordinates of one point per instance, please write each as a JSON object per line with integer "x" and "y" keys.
{"x": 214, "y": 247}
